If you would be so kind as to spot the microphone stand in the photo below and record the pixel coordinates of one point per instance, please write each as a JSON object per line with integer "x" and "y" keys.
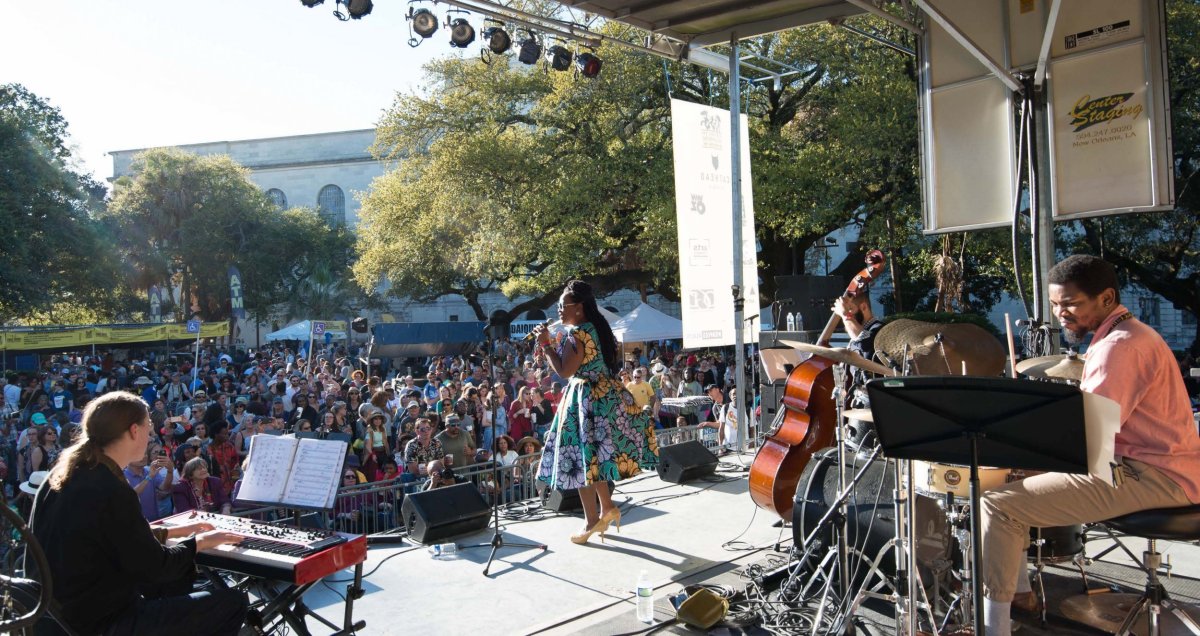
{"x": 497, "y": 541}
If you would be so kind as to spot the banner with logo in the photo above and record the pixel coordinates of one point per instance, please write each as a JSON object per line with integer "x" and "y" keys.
{"x": 236, "y": 304}
{"x": 1104, "y": 141}
{"x": 704, "y": 212}
{"x": 74, "y": 337}
{"x": 155, "y": 304}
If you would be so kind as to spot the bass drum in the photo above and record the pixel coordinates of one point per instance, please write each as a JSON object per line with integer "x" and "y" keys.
{"x": 871, "y": 514}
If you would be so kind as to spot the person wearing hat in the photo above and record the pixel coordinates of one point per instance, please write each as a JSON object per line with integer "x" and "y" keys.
{"x": 456, "y": 442}
{"x": 101, "y": 551}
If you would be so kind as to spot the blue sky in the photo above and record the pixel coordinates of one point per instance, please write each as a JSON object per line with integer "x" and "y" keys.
{"x": 130, "y": 74}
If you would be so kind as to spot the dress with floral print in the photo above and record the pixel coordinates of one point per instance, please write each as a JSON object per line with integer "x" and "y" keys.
{"x": 598, "y": 433}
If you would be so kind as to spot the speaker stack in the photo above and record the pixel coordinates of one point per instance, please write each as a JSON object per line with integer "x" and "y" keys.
{"x": 434, "y": 515}
{"x": 679, "y": 463}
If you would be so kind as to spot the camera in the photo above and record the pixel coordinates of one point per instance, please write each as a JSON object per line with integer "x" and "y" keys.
{"x": 446, "y": 473}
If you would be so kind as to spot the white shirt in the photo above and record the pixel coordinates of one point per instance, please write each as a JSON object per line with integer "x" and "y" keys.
{"x": 12, "y": 393}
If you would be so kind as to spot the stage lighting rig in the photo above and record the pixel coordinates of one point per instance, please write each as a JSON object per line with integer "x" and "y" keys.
{"x": 588, "y": 65}
{"x": 355, "y": 9}
{"x": 423, "y": 23}
{"x": 560, "y": 57}
{"x": 462, "y": 34}
{"x": 531, "y": 50}
{"x": 498, "y": 40}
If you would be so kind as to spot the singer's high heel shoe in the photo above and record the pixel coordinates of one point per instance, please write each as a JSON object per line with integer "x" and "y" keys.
{"x": 613, "y": 516}
{"x": 600, "y": 526}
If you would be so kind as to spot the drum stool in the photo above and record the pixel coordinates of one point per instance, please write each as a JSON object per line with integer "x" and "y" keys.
{"x": 1169, "y": 524}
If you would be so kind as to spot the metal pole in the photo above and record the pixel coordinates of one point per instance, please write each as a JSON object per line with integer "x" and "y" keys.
{"x": 1043, "y": 223}
{"x": 739, "y": 310}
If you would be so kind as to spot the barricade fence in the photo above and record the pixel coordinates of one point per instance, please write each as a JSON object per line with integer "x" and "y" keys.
{"x": 374, "y": 507}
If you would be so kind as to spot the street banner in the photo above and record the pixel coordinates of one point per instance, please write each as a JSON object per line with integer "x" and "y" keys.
{"x": 704, "y": 212}
{"x": 75, "y": 337}
{"x": 236, "y": 303}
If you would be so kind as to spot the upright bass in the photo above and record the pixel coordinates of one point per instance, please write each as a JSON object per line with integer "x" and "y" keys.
{"x": 808, "y": 418}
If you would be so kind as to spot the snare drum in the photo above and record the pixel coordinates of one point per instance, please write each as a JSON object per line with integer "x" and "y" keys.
{"x": 937, "y": 480}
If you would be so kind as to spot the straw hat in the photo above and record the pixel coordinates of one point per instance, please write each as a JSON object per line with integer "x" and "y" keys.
{"x": 525, "y": 440}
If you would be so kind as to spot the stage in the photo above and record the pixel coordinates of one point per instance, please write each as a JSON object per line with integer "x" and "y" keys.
{"x": 702, "y": 531}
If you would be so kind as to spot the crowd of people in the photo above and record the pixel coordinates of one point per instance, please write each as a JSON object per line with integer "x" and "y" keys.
{"x": 413, "y": 424}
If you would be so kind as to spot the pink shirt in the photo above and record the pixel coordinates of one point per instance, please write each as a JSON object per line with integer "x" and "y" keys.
{"x": 1131, "y": 364}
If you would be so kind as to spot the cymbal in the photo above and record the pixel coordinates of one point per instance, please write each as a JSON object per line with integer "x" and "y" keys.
{"x": 839, "y": 354}
{"x": 1067, "y": 367}
{"x": 1107, "y": 611}
{"x": 862, "y": 415}
{"x": 942, "y": 348}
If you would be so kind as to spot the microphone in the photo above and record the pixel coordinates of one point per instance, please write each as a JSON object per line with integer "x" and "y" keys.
{"x": 529, "y": 336}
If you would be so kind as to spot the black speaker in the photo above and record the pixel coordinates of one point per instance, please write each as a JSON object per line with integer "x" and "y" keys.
{"x": 812, "y": 297}
{"x": 359, "y": 325}
{"x": 685, "y": 461}
{"x": 560, "y": 500}
{"x": 771, "y": 400}
{"x": 441, "y": 513}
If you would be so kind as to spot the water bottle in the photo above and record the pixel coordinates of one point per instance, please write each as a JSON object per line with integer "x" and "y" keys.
{"x": 791, "y": 321}
{"x": 444, "y": 551}
{"x": 645, "y": 598}
{"x": 799, "y": 321}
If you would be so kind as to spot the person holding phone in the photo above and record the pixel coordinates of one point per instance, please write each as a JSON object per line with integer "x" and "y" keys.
{"x": 152, "y": 477}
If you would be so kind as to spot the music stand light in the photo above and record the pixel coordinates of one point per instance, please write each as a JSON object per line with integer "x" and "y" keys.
{"x": 980, "y": 421}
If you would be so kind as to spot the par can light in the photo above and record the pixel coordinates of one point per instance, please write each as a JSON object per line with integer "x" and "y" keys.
{"x": 424, "y": 23}
{"x": 462, "y": 34}
{"x": 530, "y": 51}
{"x": 588, "y": 64}
{"x": 498, "y": 40}
{"x": 358, "y": 8}
{"x": 560, "y": 57}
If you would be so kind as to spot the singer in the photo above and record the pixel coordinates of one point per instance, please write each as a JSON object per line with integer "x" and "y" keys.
{"x": 598, "y": 433}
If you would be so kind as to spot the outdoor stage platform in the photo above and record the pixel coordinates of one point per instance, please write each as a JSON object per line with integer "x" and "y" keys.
{"x": 702, "y": 531}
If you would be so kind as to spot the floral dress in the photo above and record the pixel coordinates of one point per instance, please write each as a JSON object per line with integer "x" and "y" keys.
{"x": 598, "y": 433}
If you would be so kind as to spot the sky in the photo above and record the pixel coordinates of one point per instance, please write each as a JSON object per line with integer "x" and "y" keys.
{"x": 129, "y": 74}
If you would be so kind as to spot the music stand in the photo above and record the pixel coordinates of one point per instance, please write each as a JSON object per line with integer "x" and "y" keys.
{"x": 980, "y": 421}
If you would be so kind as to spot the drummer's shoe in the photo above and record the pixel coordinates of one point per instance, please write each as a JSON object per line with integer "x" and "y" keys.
{"x": 1027, "y": 603}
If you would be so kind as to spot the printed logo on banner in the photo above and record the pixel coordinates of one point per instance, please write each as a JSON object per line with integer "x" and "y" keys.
{"x": 1090, "y": 112}
{"x": 710, "y": 131}
{"x": 699, "y": 253}
{"x": 701, "y": 299}
{"x": 698, "y": 204}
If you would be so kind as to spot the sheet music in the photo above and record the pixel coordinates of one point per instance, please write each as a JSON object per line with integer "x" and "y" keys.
{"x": 1102, "y": 421}
{"x": 267, "y": 470}
{"x": 316, "y": 473}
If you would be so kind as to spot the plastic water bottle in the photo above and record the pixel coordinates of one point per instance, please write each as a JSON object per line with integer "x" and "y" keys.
{"x": 444, "y": 551}
{"x": 791, "y": 321}
{"x": 799, "y": 321}
{"x": 645, "y": 598}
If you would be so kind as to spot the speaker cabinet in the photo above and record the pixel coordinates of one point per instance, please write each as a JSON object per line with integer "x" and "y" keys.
{"x": 434, "y": 515}
{"x": 685, "y": 461}
{"x": 560, "y": 500}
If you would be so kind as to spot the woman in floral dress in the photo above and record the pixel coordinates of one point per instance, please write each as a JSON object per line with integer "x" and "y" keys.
{"x": 598, "y": 433}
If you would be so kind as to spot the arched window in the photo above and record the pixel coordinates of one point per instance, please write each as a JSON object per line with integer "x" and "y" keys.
{"x": 278, "y": 198}
{"x": 332, "y": 203}
{"x": 535, "y": 314}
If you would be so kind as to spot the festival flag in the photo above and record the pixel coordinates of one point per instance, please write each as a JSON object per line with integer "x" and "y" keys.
{"x": 237, "y": 306}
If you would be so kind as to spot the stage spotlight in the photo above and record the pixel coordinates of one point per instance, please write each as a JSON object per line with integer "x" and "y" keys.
{"x": 560, "y": 57}
{"x": 424, "y": 23}
{"x": 311, "y": 3}
{"x": 588, "y": 64}
{"x": 530, "y": 51}
{"x": 461, "y": 33}
{"x": 358, "y": 8}
{"x": 498, "y": 40}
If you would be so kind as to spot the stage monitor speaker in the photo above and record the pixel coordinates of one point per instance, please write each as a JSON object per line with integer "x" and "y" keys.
{"x": 771, "y": 400}
{"x": 685, "y": 461}
{"x": 560, "y": 500}
{"x": 441, "y": 513}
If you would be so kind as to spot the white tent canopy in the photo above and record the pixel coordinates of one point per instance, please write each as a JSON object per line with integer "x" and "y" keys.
{"x": 300, "y": 331}
{"x": 646, "y": 323}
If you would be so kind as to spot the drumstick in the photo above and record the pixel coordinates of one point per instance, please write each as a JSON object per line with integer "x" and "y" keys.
{"x": 1012, "y": 351}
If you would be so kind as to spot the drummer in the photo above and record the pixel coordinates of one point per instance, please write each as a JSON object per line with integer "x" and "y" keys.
{"x": 1157, "y": 446}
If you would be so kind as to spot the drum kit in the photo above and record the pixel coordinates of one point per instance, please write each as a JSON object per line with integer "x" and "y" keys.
{"x": 868, "y": 548}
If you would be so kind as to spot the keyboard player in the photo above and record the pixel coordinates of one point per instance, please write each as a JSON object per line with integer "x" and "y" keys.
{"x": 101, "y": 551}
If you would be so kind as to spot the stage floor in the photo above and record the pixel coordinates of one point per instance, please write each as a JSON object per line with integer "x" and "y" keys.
{"x": 702, "y": 531}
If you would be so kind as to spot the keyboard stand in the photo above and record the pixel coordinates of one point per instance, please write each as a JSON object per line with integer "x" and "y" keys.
{"x": 288, "y": 605}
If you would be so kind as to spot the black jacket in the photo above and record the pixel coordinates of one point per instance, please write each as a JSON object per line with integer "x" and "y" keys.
{"x": 100, "y": 548}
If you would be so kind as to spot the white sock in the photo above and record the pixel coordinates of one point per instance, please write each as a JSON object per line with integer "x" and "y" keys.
{"x": 997, "y": 618}
{"x": 1023, "y": 585}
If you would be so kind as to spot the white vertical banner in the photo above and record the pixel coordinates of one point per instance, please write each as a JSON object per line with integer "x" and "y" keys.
{"x": 704, "y": 214}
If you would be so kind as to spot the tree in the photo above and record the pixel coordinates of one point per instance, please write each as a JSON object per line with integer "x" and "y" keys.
{"x": 56, "y": 257}
{"x": 184, "y": 219}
